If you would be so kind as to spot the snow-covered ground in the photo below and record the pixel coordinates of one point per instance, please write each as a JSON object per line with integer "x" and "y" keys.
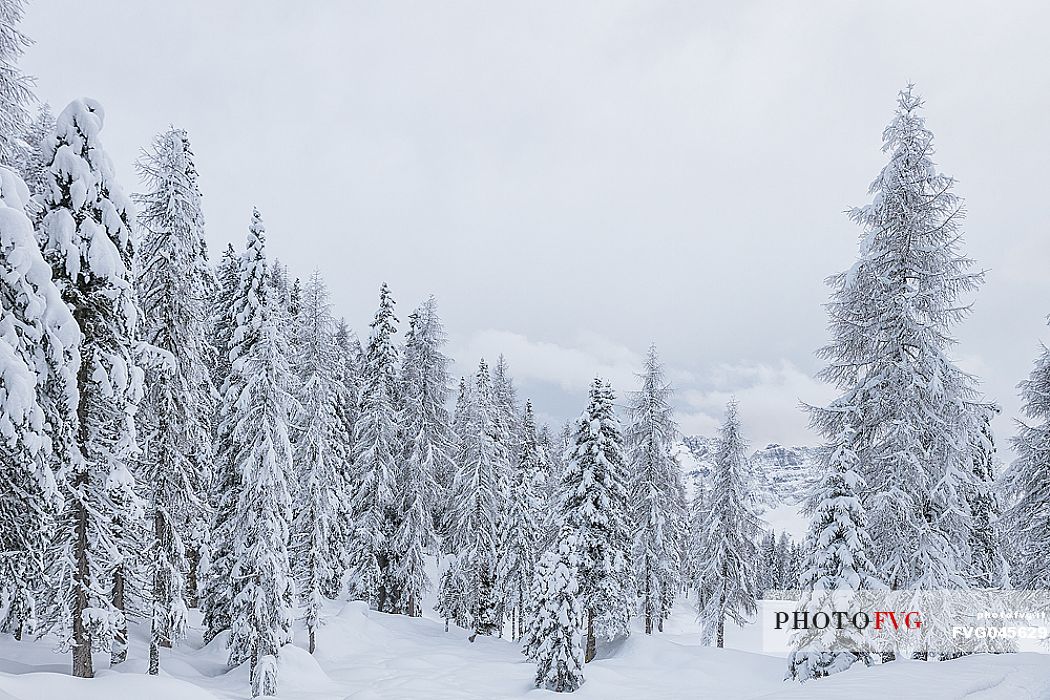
{"x": 366, "y": 655}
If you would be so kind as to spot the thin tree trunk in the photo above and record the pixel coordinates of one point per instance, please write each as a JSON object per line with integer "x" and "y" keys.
{"x": 154, "y": 658}
{"x": 81, "y": 640}
{"x": 720, "y": 641}
{"x": 592, "y": 646}
{"x": 119, "y": 651}
{"x": 193, "y": 556}
{"x": 313, "y": 645}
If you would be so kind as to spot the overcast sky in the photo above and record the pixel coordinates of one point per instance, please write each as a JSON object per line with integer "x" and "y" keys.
{"x": 576, "y": 180}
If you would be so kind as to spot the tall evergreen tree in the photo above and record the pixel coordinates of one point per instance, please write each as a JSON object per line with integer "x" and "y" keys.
{"x": 478, "y": 499}
{"x": 836, "y": 563}
{"x": 84, "y": 225}
{"x": 427, "y": 441}
{"x": 236, "y": 330}
{"x": 891, "y": 317}
{"x": 555, "y": 640}
{"x": 347, "y": 373}
{"x": 15, "y": 87}
{"x": 656, "y": 494}
{"x": 522, "y": 529}
{"x": 724, "y": 537}
{"x": 39, "y": 358}
{"x": 1028, "y": 481}
{"x": 378, "y": 453}
{"x": 318, "y": 458}
{"x": 173, "y": 280}
{"x": 34, "y": 161}
{"x": 988, "y": 564}
{"x": 261, "y": 595}
{"x": 594, "y": 506}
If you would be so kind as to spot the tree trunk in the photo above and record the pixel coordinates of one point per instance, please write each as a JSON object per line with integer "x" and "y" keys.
{"x": 81, "y": 640}
{"x": 592, "y": 646}
{"x": 313, "y": 645}
{"x": 154, "y": 658}
{"x": 193, "y": 556}
{"x": 119, "y": 651}
{"x": 720, "y": 641}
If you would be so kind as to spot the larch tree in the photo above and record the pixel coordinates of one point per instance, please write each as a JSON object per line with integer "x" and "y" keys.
{"x": 656, "y": 494}
{"x": 477, "y": 501}
{"x": 377, "y": 455}
{"x": 891, "y": 317}
{"x": 594, "y": 506}
{"x": 39, "y": 359}
{"x": 428, "y": 445}
{"x": 837, "y": 563}
{"x": 173, "y": 280}
{"x": 84, "y": 225}
{"x": 16, "y": 88}
{"x": 1027, "y": 519}
{"x": 319, "y": 461}
{"x": 723, "y": 538}
{"x": 555, "y": 640}
{"x": 262, "y": 590}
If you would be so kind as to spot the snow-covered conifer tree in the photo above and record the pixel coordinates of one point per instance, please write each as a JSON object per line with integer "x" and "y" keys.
{"x": 505, "y": 396}
{"x": 39, "y": 358}
{"x": 15, "y": 87}
{"x": 594, "y": 506}
{"x": 173, "y": 280}
{"x": 34, "y": 163}
{"x": 347, "y": 373}
{"x": 428, "y": 445}
{"x": 836, "y": 563}
{"x": 262, "y": 595}
{"x": 656, "y": 494}
{"x": 724, "y": 538}
{"x": 378, "y": 453}
{"x": 477, "y": 500}
{"x": 555, "y": 640}
{"x": 523, "y": 525}
{"x": 453, "y": 600}
{"x": 245, "y": 283}
{"x": 318, "y": 457}
{"x": 891, "y": 318}
{"x": 988, "y": 563}
{"x": 1028, "y": 480}
{"x": 84, "y": 224}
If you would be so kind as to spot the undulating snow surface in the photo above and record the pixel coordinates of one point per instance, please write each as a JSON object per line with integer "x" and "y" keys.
{"x": 366, "y": 655}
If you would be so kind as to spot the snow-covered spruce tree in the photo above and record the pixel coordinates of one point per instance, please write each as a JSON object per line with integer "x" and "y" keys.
{"x": 428, "y": 444}
{"x": 443, "y": 515}
{"x": 724, "y": 538}
{"x": 453, "y": 602}
{"x": 84, "y": 226}
{"x": 555, "y": 639}
{"x": 478, "y": 500}
{"x": 235, "y": 330}
{"x": 656, "y": 494}
{"x": 594, "y": 506}
{"x": 891, "y": 317}
{"x": 836, "y": 563}
{"x": 522, "y": 526}
{"x": 378, "y": 453}
{"x": 788, "y": 564}
{"x": 263, "y": 593}
{"x": 347, "y": 373}
{"x": 173, "y": 282}
{"x": 15, "y": 87}
{"x": 1028, "y": 481}
{"x": 988, "y": 565}
{"x": 318, "y": 458}
{"x": 506, "y": 398}
{"x": 39, "y": 358}
{"x": 768, "y": 564}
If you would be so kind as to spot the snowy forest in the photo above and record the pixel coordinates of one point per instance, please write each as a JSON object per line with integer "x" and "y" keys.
{"x": 198, "y": 451}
